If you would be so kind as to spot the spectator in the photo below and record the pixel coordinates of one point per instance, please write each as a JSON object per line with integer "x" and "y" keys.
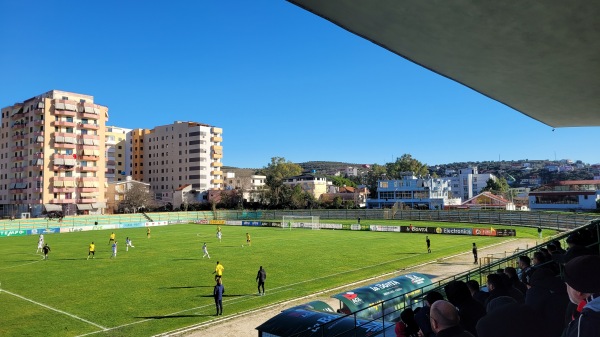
{"x": 445, "y": 320}
{"x": 497, "y": 287}
{"x": 406, "y": 325}
{"x": 582, "y": 276}
{"x": 514, "y": 279}
{"x": 499, "y": 302}
{"x": 525, "y": 268}
{"x": 547, "y": 296}
{"x": 470, "y": 311}
{"x": 558, "y": 246}
{"x": 422, "y": 317}
{"x": 510, "y": 320}
{"x": 476, "y": 292}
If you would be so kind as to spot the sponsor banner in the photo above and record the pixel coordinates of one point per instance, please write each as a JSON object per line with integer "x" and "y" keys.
{"x": 506, "y": 232}
{"x": 156, "y": 223}
{"x": 201, "y": 222}
{"x": 419, "y": 229}
{"x": 15, "y": 232}
{"x": 484, "y": 232}
{"x": 175, "y": 222}
{"x": 76, "y": 229}
{"x": 132, "y": 225}
{"x": 233, "y": 223}
{"x": 331, "y": 226}
{"x": 457, "y": 231}
{"x": 107, "y": 226}
{"x": 217, "y": 222}
{"x": 43, "y": 231}
{"x": 252, "y": 223}
{"x": 378, "y": 228}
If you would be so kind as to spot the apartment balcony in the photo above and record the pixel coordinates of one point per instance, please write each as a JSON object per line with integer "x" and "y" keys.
{"x": 62, "y": 201}
{"x": 38, "y": 111}
{"x": 96, "y": 137}
{"x": 38, "y": 133}
{"x": 216, "y": 139}
{"x": 63, "y": 123}
{"x": 89, "y": 115}
{"x": 89, "y": 158}
{"x": 17, "y": 169}
{"x": 216, "y": 164}
{"x": 18, "y": 136}
{"x": 217, "y": 155}
{"x": 216, "y": 173}
{"x": 87, "y": 168}
{"x": 216, "y": 130}
{"x": 87, "y": 200}
{"x": 62, "y": 190}
{"x": 65, "y": 113}
{"x": 18, "y": 158}
{"x": 38, "y": 122}
{"x": 217, "y": 148}
{"x": 17, "y": 180}
{"x": 216, "y": 181}
{"x": 38, "y": 155}
{"x": 111, "y": 163}
{"x": 65, "y": 145}
{"x": 88, "y": 189}
{"x": 16, "y": 191}
{"x": 37, "y": 190}
{"x": 17, "y": 148}
{"x": 63, "y": 168}
{"x": 88, "y": 126}
{"x": 19, "y": 126}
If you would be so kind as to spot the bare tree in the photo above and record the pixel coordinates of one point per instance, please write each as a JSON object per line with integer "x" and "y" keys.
{"x": 136, "y": 198}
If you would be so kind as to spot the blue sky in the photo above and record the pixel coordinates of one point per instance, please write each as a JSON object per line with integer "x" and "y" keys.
{"x": 280, "y": 81}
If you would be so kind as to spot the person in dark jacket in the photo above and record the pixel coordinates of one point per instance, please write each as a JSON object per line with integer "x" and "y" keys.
{"x": 510, "y": 320}
{"x": 582, "y": 276}
{"x": 445, "y": 320}
{"x": 218, "y": 292}
{"x": 547, "y": 295}
{"x": 422, "y": 317}
{"x": 470, "y": 311}
{"x": 406, "y": 325}
{"x": 514, "y": 279}
{"x": 497, "y": 285}
{"x": 476, "y": 292}
{"x": 261, "y": 277}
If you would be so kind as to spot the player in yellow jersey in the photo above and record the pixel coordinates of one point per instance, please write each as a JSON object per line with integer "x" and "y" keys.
{"x": 92, "y": 250}
{"x": 248, "y": 241}
{"x": 112, "y": 238}
{"x": 218, "y": 271}
{"x": 148, "y": 232}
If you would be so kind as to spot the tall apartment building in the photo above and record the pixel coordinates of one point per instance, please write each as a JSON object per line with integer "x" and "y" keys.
{"x": 469, "y": 183}
{"x": 51, "y": 155}
{"x": 115, "y": 153}
{"x": 173, "y": 155}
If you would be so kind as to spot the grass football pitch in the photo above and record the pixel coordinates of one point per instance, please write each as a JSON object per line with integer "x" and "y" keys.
{"x": 164, "y": 283}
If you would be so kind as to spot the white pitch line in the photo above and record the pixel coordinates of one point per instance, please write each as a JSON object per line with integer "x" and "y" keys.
{"x": 54, "y": 309}
{"x": 19, "y": 265}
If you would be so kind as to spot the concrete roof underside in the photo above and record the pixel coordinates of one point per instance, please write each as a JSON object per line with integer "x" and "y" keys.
{"x": 541, "y": 58}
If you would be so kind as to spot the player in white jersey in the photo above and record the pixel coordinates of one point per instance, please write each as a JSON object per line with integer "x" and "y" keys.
{"x": 205, "y": 251}
{"x": 128, "y": 244}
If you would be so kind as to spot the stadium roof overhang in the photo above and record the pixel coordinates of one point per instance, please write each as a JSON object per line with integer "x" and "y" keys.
{"x": 541, "y": 58}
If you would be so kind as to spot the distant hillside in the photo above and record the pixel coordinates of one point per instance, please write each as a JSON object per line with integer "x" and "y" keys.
{"x": 322, "y": 167}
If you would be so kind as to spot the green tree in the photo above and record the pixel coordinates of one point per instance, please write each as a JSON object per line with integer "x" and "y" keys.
{"x": 377, "y": 173}
{"x": 341, "y": 181}
{"x": 278, "y": 169}
{"x": 406, "y": 163}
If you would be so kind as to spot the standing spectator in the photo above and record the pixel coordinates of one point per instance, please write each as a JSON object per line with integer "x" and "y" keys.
{"x": 218, "y": 292}
{"x": 474, "y": 253}
{"x": 261, "y": 277}
{"x": 540, "y": 231}
{"x": 406, "y": 325}
{"x": 205, "y": 251}
{"x": 445, "y": 320}
{"x": 45, "y": 250}
{"x": 428, "y": 243}
{"x": 582, "y": 276}
{"x": 218, "y": 271}
{"x": 476, "y": 292}
{"x": 470, "y": 311}
{"x": 91, "y": 250}
{"x": 422, "y": 317}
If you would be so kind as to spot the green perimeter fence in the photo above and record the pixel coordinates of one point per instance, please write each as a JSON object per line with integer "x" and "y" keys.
{"x": 558, "y": 221}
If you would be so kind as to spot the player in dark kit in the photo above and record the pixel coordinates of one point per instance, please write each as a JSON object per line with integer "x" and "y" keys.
{"x": 474, "y": 253}
{"x": 428, "y": 244}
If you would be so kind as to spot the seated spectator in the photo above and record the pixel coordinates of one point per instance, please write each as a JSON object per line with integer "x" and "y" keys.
{"x": 406, "y": 325}
{"x": 470, "y": 311}
{"x": 422, "y": 317}
{"x": 558, "y": 246}
{"x": 514, "y": 279}
{"x": 525, "y": 268}
{"x": 476, "y": 292}
{"x": 445, "y": 320}
{"x": 499, "y": 302}
{"x": 510, "y": 320}
{"x": 497, "y": 287}
{"x": 547, "y": 296}
{"x": 582, "y": 276}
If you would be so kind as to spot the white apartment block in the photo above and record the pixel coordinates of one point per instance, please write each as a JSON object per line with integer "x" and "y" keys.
{"x": 115, "y": 138}
{"x": 178, "y": 154}
{"x": 468, "y": 183}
